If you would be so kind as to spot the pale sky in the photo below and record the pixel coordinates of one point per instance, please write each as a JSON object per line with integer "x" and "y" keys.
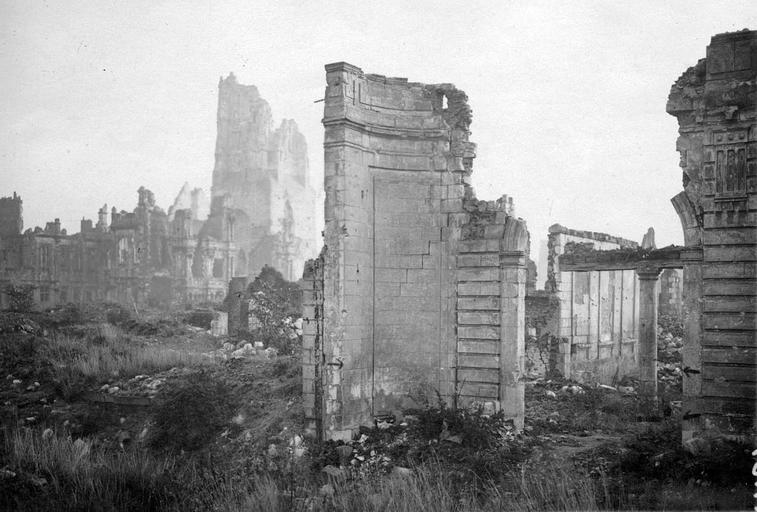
{"x": 99, "y": 97}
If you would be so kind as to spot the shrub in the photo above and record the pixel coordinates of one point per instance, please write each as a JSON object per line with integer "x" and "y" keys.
{"x": 190, "y": 413}
{"x": 287, "y": 294}
{"x": 21, "y": 297}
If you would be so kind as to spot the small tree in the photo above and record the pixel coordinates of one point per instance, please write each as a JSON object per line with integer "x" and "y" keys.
{"x": 287, "y": 294}
{"x": 275, "y": 304}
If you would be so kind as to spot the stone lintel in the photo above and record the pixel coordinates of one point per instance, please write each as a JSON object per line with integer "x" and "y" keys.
{"x": 579, "y": 257}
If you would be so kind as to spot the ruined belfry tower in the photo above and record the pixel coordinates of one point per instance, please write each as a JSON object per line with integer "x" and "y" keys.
{"x": 262, "y": 175}
{"x": 420, "y": 287}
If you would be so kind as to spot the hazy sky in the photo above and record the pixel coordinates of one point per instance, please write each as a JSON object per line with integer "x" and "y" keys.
{"x": 99, "y": 98}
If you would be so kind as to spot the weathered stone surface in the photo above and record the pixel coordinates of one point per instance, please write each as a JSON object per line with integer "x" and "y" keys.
{"x": 410, "y": 254}
{"x": 715, "y": 103}
{"x": 595, "y": 325}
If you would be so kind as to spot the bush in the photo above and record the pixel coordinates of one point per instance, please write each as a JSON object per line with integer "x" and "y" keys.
{"x": 288, "y": 295}
{"x": 190, "y": 413}
{"x": 21, "y": 297}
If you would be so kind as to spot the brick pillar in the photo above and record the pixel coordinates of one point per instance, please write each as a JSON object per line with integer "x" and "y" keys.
{"x": 648, "y": 279}
{"x": 237, "y": 306}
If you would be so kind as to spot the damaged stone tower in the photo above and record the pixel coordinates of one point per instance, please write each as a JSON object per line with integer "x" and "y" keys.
{"x": 420, "y": 287}
{"x": 262, "y": 175}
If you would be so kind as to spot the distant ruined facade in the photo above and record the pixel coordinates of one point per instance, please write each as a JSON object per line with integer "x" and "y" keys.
{"x": 261, "y": 212}
{"x": 262, "y": 175}
{"x": 138, "y": 257}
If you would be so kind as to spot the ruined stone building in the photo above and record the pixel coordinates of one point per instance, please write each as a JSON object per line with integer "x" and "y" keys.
{"x": 134, "y": 257}
{"x": 597, "y": 315}
{"x": 715, "y": 103}
{"x": 587, "y": 318}
{"x": 420, "y": 287}
{"x": 263, "y": 176}
{"x": 261, "y": 212}
{"x": 715, "y": 275}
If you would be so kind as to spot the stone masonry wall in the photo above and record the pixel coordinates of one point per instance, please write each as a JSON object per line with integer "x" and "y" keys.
{"x": 411, "y": 305}
{"x": 715, "y": 103}
{"x": 598, "y": 315}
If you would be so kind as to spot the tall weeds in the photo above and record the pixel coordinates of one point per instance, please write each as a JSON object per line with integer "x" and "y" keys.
{"x": 112, "y": 354}
{"x": 79, "y": 476}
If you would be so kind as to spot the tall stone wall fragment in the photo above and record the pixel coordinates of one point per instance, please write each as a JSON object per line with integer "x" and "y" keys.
{"x": 423, "y": 285}
{"x": 715, "y": 103}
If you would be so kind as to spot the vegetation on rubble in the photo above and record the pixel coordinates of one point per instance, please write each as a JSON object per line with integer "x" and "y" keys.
{"x": 190, "y": 414}
{"x": 274, "y": 305}
{"x": 225, "y": 433}
{"x": 21, "y": 297}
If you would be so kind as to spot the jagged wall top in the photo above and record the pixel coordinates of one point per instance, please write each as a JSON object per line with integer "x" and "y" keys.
{"x": 395, "y": 107}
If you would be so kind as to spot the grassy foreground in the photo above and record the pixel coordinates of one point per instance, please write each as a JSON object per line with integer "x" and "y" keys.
{"x": 157, "y": 415}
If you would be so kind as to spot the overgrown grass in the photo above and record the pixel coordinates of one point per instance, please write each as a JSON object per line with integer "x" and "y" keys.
{"x": 58, "y": 473}
{"x": 428, "y": 488}
{"x": 117, "y": 355}
{"x": 76, "y": 363}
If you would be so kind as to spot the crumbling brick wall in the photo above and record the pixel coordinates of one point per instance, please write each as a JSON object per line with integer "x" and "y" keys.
{"x": 715, "y": 103}
{"x": 423, "y": 285}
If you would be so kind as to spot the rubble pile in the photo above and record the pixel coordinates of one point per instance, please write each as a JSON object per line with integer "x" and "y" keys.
{"x": 669, "y": 360}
